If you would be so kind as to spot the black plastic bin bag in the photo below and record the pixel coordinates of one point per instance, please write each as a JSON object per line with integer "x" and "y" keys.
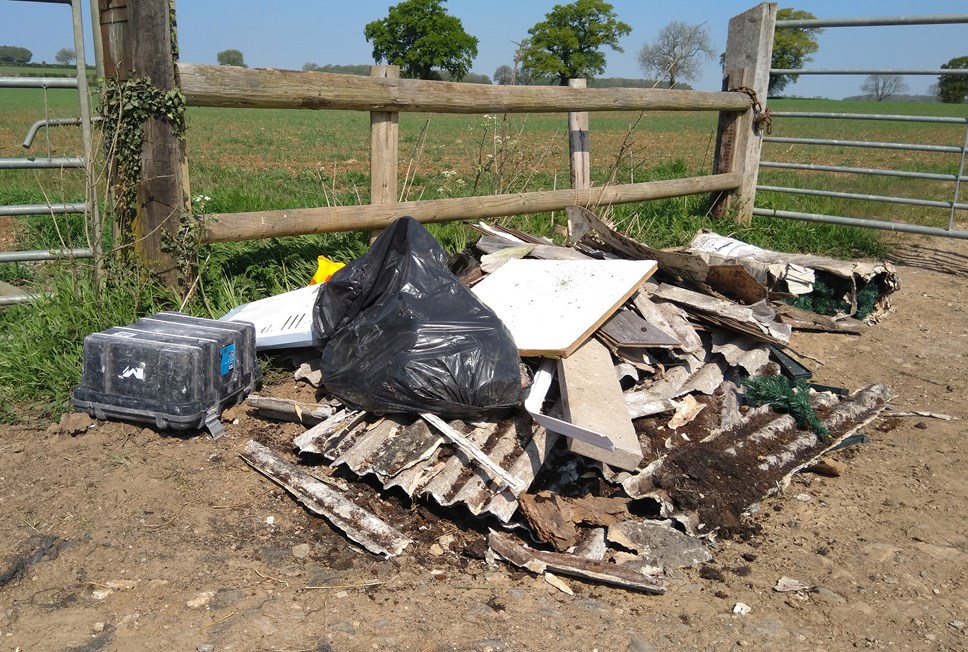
{"x": 400, "y": 333}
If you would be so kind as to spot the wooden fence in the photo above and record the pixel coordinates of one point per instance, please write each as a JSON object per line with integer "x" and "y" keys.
{"x": 384, "y": 96}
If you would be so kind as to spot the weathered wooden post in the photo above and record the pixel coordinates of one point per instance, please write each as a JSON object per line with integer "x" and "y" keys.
{"x": 749, "y": 50}
{"x": 384, "y": 148}
{"x": 580, "y": 164}
{"x": 137, "y": 41}
{"x": 115, "y": 43}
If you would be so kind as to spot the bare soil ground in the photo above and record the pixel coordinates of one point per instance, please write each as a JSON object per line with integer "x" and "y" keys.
{"x": 125, "y": 538}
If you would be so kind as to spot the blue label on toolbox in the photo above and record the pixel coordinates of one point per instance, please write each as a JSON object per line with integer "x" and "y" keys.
{"x": 227, "y": 361}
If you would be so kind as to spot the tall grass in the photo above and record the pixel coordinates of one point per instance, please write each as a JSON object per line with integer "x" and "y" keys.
{"x": 42, "y": 342}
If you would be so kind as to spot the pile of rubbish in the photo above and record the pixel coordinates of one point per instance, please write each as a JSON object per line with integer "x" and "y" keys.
{"x": 563, "y": 392}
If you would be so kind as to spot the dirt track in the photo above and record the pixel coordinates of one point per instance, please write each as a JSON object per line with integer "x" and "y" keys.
{"x": 141, "y": 541}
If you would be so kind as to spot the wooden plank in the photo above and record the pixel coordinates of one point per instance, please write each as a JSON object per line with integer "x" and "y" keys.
{"x": 735, "y": 282}
{"x": 535, "y": 401}
{"x": 552, "y": 306}
{"x": 268, "y": 88}
{"x": 116, "y": 45}
{"x": 516, "y": 485}
{"x": 591, "y": 397}
{"x": 625, "y": 328}
{"x": 538, "y": 561}
{"x": 255, "y": 225}
{"x": 493, "y": 244}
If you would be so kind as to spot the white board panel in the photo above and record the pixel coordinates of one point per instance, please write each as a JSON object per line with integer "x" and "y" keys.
{"x": 552, "y": 306}
{"x": 281, "y": 321}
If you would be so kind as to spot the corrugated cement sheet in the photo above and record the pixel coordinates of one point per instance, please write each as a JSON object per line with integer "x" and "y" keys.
{"x": 409, "y": 455}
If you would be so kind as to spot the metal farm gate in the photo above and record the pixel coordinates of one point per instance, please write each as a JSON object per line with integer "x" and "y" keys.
{"x": 957, "y": 149}
{"x": 88, "y": 208}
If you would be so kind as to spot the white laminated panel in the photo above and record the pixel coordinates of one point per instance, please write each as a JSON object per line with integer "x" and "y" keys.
{"x": 552, "y": 306}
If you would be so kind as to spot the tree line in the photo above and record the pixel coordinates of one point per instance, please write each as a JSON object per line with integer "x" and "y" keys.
{"x": 426, "y": 42}
{"x": 14, "y": 54}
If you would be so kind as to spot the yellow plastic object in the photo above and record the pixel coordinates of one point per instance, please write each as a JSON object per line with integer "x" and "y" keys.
{"x": 326, "y": 269}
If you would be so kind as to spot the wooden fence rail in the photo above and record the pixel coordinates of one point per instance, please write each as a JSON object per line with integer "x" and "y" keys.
{"x": 384, "y": 96}
{"x": 227, "y": 227}
{"x": 227, "y": 86}
{"x": 232, "y": 86}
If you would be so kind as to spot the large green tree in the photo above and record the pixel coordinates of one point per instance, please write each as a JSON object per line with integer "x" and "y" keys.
{"x": 567, "y": 44}
{"x": 14, "y": 54}
{"x": 792, "y": 47}
{"x": 423, "y": 39}
{"x": 230, "y": 58}
{"x": 953, "y": 89}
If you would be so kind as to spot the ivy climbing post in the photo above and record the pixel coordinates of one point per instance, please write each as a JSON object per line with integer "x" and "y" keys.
{"x": 144, "y": 126}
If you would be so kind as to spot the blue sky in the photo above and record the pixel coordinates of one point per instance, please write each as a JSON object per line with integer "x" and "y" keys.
{"x": 289, "y": 33}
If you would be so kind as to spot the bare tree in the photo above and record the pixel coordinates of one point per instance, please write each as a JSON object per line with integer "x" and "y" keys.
{"x": 507, "y": 76}
{"x": 881, "y": 87}
{"x": 677, "y": 52}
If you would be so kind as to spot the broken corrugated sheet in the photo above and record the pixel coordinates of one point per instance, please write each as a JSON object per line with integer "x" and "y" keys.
{"x": 466, "y": 446}
{"x": 404, "y": 452}
{"x": 336, "y": 424}
{"x": 745, "y": 352}
{"x": 694, "y": 373}
{"x": 797, "y": 273}
{"x": 805, "y": 320}
{"x": 281, "y": 409}
{"x": 758, "y": 319}
{"x": 358, "y": 524}
{"x": 754, "y": 458}
{"x": 658, "y": 544}
{"x": 669, "y": 318}
{"x": 732, "y": 281}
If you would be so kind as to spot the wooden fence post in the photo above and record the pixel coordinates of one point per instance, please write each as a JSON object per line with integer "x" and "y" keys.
{"x": 384, "y": 148}
{"x": 115, "y": 42}
{"x": 580, "y": 164}
{"x": 162, "y": 193}
{"x": 749, "y": 50}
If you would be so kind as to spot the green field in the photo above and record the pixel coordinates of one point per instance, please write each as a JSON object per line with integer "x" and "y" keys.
{"x": 246, "y": 159}
{"x": 249, "y": 159}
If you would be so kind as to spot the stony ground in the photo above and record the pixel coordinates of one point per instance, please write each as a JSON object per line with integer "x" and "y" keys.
{"x": 124, "y": 538}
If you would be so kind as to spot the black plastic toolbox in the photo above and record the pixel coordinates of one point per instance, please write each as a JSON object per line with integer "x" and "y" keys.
{"x": 170, "y": 369}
